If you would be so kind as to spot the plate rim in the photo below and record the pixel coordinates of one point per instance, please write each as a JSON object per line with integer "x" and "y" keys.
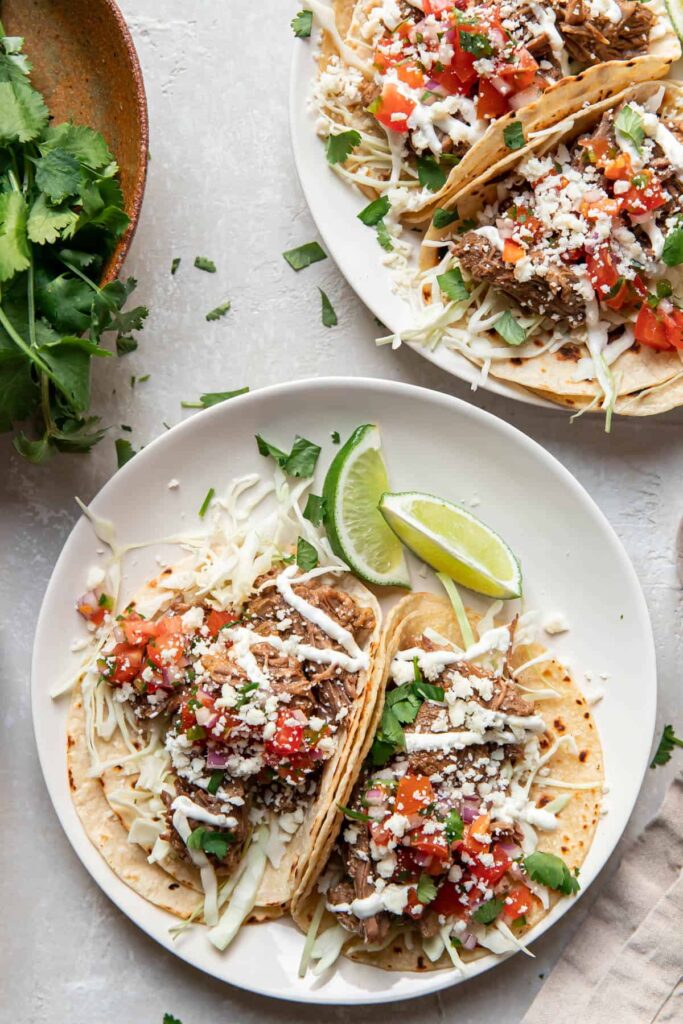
{"x": 91, "y": 859}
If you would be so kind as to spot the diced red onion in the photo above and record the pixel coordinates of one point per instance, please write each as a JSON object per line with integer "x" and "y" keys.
{"x": 523, "y": 98}
{"x": 500, "y": 85}
{"x": 375, "y": 797}
{"x": 171, "y": 674}
{"x": 505, "y": 227}
{"x": 119, "y": 635}
{"x": 90, "y": 598}
{"x": 469, "y": 812}
{"x": 594, "y": 195}
{"x": 512, "y": 849}
{"x": 497, "y": 38}
{"x": 468, "y": 940}
{"x": 217, "y": 759}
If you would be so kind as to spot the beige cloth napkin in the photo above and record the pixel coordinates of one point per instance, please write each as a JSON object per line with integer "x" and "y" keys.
{"x": 625, "y": 963}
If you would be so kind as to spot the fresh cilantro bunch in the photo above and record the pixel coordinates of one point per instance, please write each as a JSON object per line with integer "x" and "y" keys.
{"x": 61, "y": 214}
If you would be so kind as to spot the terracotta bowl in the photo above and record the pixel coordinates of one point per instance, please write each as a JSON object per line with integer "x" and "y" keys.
{"x": 85, "y": 64}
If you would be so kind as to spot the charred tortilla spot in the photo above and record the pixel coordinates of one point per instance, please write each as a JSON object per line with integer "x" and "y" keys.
{"x": 70, "y": 741}
{"x": 421, "y": 963}
{"x": 586, "y": 714}
{"x": 559, "y": 725}
{"x": 583, "y": 756}
{"x": 72, "y": 784}
{"x": 569, "y": 352}
{"x": 543, "y": 800}
{"x": 516, "y": 361}
{"x": 174, "y": 885}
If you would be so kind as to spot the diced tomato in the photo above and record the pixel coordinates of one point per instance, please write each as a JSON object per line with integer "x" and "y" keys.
{"x": 520, "y": 73}
{"x": 597, "y": 207}
{"x": 125, "y": 662}
{"x": 451, "y": 901}
{"x": 601, "y": 270}
{"x": 630, "y": 292}
{"x": 492, "y": 873}
{"x": 644, "y": 195}
{"x": 187, "y": 716}
{"x": 92, "y": 613}
{"x": 166, "y": 649}
{"x": 618, "y": 169}
{"x": 659, "y": 330}
{"x": 288, "y": 737}
{"x": 463, "y": 61}
{"x": 170, "y": 625}
{"x": 407, "y": 870}
{"x": 394, "y": 109}
{"x": 433, "y": 844}
{"x": 437, "y": 6}
{"x": 518, "y": 901}
{"x": 380, "y": 835}
{"x": 490, "y": 102}
{"x": 216, "y": 620}
{"x": 138, "y": 631}
{"x": 413, "y": 794}
{"x": 512, "y": 252}
{"x": 411, "y": 74}
{"x": 599, "y": 150}
{"x": 479, "y": 827}
{"x": 450, "y": 80}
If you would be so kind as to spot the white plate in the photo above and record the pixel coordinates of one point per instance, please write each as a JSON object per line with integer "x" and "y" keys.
{"x": 335, "y": 205}
{"x": 572, "y": 562}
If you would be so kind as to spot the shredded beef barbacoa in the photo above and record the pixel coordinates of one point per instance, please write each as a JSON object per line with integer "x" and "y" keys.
{"x": 215, "y": 806}
{"x": 589, "y": 39}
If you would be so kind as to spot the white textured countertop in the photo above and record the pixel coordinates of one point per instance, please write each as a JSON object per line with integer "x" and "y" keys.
{"x": 222, "y": 184}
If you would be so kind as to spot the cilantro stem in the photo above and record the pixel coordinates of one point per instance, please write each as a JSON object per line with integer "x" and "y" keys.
{"x": 79, "y": 273}
{"x": 18, "y": 340}
{"x": 31, "y": 306}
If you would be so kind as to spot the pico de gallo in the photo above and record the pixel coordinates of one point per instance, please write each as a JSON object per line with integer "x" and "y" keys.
{"x": 250, "y": 701}
{"x": 442, "y": 830}
{"x": 444, "y": 69}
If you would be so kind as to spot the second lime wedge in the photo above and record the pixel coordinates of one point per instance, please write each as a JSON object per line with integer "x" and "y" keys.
{"x": 453, "y": 541}
{"x": 357, "y": 532}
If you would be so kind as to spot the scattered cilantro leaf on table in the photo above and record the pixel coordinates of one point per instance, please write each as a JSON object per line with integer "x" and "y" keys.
{"x": 213, "y": 398}
{"x": 665, "y": 747}
{"x": 329, "y": 317}
{"x": 218, "y": 312}
{"x": 304, "y": 255}
{"x": 302, "y": 24}
{"x": 203, "y": 263}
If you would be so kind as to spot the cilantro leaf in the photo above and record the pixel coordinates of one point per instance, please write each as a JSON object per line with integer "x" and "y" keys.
{"x": 329, "y": 317}
{"x": 215, "y": 781}
{"x": 509, "y": 329}
{"x": 339, "y": 147}
{"x": 430, "y": 174}
{"x": 304, "y": 255}
{"x": 383, "y": 236}
{"x": 476, "y": 43}
{"x": 209, "y": 841}
{"x": 302, "y": 459}
{"x": 672, "y": 253}
{"x": 306, "y": 555}
{"x": 203, "y": 263}
{"x": 381, "y": 751}
{"x": 210, "y": 495}
{"x": 218, "y": 312}
{"x": 23, "y": 113}
{"x": 265, "y": 448}
{"x": 426, "y": 889}
{"x": 489, "y": 911}
{"x": 213, "y": 398}
{"x": 315, "y": 509}
{"x": 629, "y": 124}
{"x": 124, "y": 451}
{"x": 58, "y": 175}
{"x": 14, "y": 252}
{"x": 18, "y": 390}
{"x": 442, "y": 218}
{"x": 428, "y": 691}
{"x": 513, "y": 135}
{"x": 175, "y": 263}
{"x": 170, "y": 1019}
{"x": 453, "y": 827}
{"x": 302, "y": 24}
{"x": 375, "y": 211}
{"x": 665, "y": 747}
{"x": 550, "y": 870}
{"x": 47, "y": 223}
{"x": 336, "y": 439}
{"x": 79, "y": 141}
{"x": 452, "y": 285}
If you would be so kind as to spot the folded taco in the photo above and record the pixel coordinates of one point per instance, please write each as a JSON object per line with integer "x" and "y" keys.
{"x": 474, "y": 808}
{"x": 562, "y": 272}
{"x": 440, "y": 90}
{"x": 206, "y": 740}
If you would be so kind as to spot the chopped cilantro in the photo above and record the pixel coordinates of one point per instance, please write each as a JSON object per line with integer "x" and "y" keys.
{"x": 170, "y": 1019}
{"x": 306, "y": 555}
{"x": 213, "y": 398}
{"x": 453, "y": 827}
{"x": 672, "y": 254}
{"x": 203, "y": 263}
{"x": 429, "y": 174}
{"x": 383, "y": 236}
{"x": 304, "y": 255}
{"x": 210, "y": 495}
{"x": 145, "y": 377}
{"x": 338, "y": 147}
{"x": 124, "y": 451}
{"x": 315, "y": 509}
{"x": 489, "y": 911}
{"x": 336, "y": 439}
{"x": 442, "y": 218}
{"x": 513, "y": 135}
{"x": 300, "y": 462}
{"x": 466, "y": 225}
{"x": 428, "y": 691}
{"x": 452, "y": 285}
{"x": 375, "y": 211}
{"x": 244, "y": 692}
{"x": 426, "y": 889}
{"x": 550, "y": 870}
{"x": 329, "y": 317}
{"x": 215, "y": 781}
{"x": 476, "y": 43}
{"x": 664, "y": 750}
{"x": 218, "y": 311}
{"x": 175, "y": 263}
{"x": 125, "y": 345}
{"x": 509, "y": 329}
{"x": 302, "y": 23}
{"x": 196, "y": 732}
{"x": 216, "y": 843}
{"x": 629, "y": 124}
{"x": 127, "y": 428}
{"x": 348, "y": 812}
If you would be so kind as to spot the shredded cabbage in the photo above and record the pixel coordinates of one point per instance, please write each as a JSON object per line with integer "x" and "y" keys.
{"x": 245, "y": 892}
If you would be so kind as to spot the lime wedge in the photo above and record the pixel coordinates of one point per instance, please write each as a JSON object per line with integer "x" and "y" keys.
{"x": 357, "y": 532}
{"x": 675, "y": 9}
{"x": 453, "y": 541}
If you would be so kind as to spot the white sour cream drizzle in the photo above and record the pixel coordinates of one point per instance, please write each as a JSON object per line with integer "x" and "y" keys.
{"x": 545, "y": 16}
{"x": 192, "y": 810}
{"x": 317, "y": 616}
{"x": 391, "y": 897}
{"x": 433, "y": 662}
